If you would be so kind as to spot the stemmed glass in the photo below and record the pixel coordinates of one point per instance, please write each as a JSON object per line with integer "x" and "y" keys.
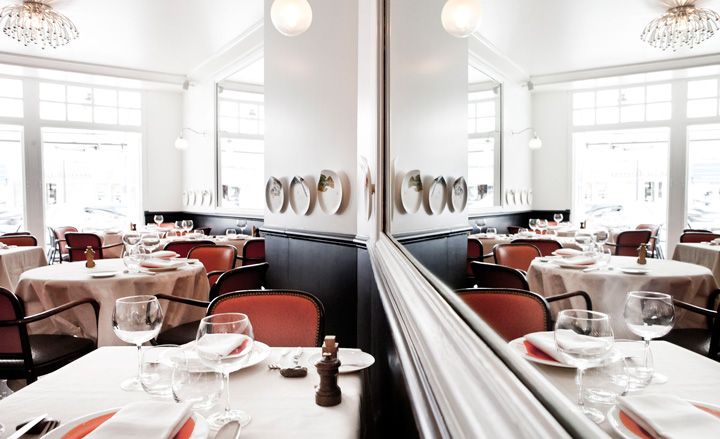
{"x": 558, "y": 217}
{"x": 224, "y": 342}
{"x": 585, "y": 338}
{"x": 241, "y": 223}
{"x": 480, "y": 223}
{"x": 150, "y": 242}
{"x": 188, "y": 225}
{"x": 648, "y": 315}
{"x": 179, "y": 227}
{"x": 584, "y": 239}
{"x": 542, "y": 225}
{"x": 136, "y": 319}
{"x": 231, "y": 233}
{"x": 533, "y": 224}
{"x": 158, "y": 219}
{"x": 600, "y": 236}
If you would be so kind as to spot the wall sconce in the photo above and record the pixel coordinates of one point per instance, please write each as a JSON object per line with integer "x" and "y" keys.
{"x": 181, "y": 143}
{"x": 461, "y": 18}
{"x": 535, "y": 142}
{"x": 291, "y": 17}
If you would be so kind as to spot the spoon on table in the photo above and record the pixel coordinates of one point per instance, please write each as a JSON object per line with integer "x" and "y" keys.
{"x": 230, "y": 430}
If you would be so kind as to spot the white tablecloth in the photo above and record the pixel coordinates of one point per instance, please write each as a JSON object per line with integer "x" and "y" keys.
{"x": 489, "y": 243}
{"x": 53, "y": 285}
{"x": 279, "y": 407}
{"x": 690, "y": 376}
{"x": 700, "y": 254}
{"x": 16, "y": 260}
{"x": 607, "y": 289}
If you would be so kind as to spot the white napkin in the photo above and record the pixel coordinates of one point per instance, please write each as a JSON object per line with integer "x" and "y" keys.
{"x": 545, "y": 341}
{"x": 145, "y": 419}
{"x": 161, "y": 263}
{"x": 668, "y": 417}
{"x": 567, "y": 252}
{"x": 164, "y": 254}
{"x": 221, "y": 345}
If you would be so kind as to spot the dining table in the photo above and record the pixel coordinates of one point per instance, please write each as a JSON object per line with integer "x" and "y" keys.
{"x": 279, "y": 407}
{"x": 705, "y": 254}
{"x": 237, "y": 241}
{"x": 608, "y": 286}
{"x": 15, "y": 260}
{"x": 491, "y": 240}
{"x": 54, "y": 285}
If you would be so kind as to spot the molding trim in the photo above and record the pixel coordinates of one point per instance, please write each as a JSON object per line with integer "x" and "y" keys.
{"x": 406, "y": 238}
{"x": 326, "y": 238}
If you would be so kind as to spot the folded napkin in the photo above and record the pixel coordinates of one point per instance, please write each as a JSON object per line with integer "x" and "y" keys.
{"x": 668, "y": 417}
{"x": 545, "y": 342}
{"x": 222, "y": 345}
{"x": 577, "y": 260}
{"x": 161, "y": 263}
{"x": 145, "y": 419}
{"x": 3, "y": 246}
{"x": 164, "y": 254}
{"x": 567, "y": 252}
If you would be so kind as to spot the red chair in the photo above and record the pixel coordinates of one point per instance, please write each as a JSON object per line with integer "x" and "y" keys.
{"x": 78, "y": 242}
{"x": 513, "y": 313}
{"x": 24, "y": 356}
{"x": 653, "y": 249}
{"x": 628, "y": 242}
{"x": 19, "y": 240}
{"x": 498, "y": 276}
{"x": 253, "y": 251}
{"x": 249, "y": 277}
{"x": 474, "y": 253}
{"x": 515, "y": 255}
{"x": 704, "y": 341}
{"x": 183, "y": 247}
{"x": 696, "y": 230}
{"x": 695, "y": 237}
{"x": 546, "y": 246}
{"x": 217, "y": 259}
{"x": 16, "y": 234}
{"x": 59, "y": 249}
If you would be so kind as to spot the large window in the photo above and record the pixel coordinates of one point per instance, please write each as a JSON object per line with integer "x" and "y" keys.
{"x": 702, "y": 98}
{"x": 11, "y": 97}
{"x": 11, "y": 179}
{"x": 636, "y": 103}
{"x": 75, "y": 103}
{"x": 703, "y": 189}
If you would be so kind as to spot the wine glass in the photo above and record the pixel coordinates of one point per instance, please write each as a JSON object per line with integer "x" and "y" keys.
{"x": 648, "y": 315}
{"x": 136, "y": 319}
{"x": 241, "y": 223}
{"x": 195, "y": 383}
{"x": 158, "y": 219}
{"x": 584, "y": 239}
{"x": 558, "y": 217}
{"x": 600, "y": 236}
{"x": 585, "y": 338}
{"x": 533, "y": 224}
{"x": 188, "y": 225}
{"x": 150, "y": 241}
{"x": 231, "y": 233}
{"x": 224, "y": 342}
{"x": 179, "y": 226}
{"x": 480, "y": 223}
{"x": 542, "y": 225}
{"x": 491, "y": 232}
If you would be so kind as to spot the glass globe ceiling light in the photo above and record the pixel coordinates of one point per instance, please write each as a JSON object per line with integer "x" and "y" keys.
{"x": 461, "y": 18}
{"x": 35, "y": 22}
{"x": 682, "y": 25}
{"x": 291, "y": 17}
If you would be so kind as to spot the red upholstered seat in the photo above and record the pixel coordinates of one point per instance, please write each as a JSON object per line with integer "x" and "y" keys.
{"x": 515, "y": 255}
{"x": 19, "y": 240}
{"x": 698, "y": 237}
{"x": 217, "y": 259}
{"x": 60, "y": 244}
{"x": 546, "y": 246}
{"x": 247, "y": 277}
{"x": 253, "y": 251}
{"x": 628, "y": 242}
{"x": 474, "y": 253}
{"x": 498, "y": 276}
{"x": 183, "y": 247}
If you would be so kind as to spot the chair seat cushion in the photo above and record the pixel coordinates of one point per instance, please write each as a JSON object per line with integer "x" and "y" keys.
{"x": 181, "y": 334}
{"x": 49, "y": 352}
{"x": 694, "y": 339}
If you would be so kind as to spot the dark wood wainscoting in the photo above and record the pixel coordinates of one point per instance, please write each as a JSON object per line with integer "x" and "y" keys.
{"x": 217, "y": 222}
{"x": 501, "y": 221}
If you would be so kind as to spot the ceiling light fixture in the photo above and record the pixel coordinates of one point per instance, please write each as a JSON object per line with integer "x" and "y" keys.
{"x": 682, "y": 25}
{"x": 461, "y": 18}
{"x": 181, "y": 142}
{"x": 35, "y": 22}
{"x": 291, "y": 17}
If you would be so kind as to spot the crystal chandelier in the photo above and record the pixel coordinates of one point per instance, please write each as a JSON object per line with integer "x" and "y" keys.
{"x": 35, "y": 22}
{"x": 682, "y": 25}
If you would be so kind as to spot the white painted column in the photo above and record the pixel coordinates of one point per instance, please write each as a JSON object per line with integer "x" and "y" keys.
{"x": 33, "y": 164}
{"x": 677, "y": 167}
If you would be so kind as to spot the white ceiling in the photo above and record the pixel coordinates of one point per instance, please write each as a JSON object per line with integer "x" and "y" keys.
{"x": 552, "y": 36}
{"x": 169, "y": 36}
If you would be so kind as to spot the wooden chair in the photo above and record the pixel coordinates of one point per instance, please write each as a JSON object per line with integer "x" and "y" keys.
{"x": 546, "y": 246}
{"x": 59, "y": 251}
{"x": 16, "y": 234}
{"x": 498, "y": 276}
{"x": 627, "y": 242}
{"x": 183, "y": 247}
{"x": 25, "y": 356}
{"x": 78, "y": 242}
{"x": 513, "y": 313}
{"x": 695, "y": 237}
{"x": 253, "y": 251}
{"x": 704, "y": 341}
{"x": 19, "y": 240}
{"x": 217, "y": 259}
{"x": 518, "y": 256}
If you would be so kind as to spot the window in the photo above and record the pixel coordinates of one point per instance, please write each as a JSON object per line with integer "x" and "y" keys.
{"x": 11, "y": 97}
{"x": 636, "y": 103}
{"x": 98, "y": 105}
{"x": 11, "y": 179}
{"x": 241, "y": 149}
{"x": 482, "y": 110}
{"x": 702, "y": 98}
{"x": 481, "y": 172}
{"x": 703, "y": 188}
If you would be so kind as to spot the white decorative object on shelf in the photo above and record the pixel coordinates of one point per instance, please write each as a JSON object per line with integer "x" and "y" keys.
{"x": 299, "y": 195}
{"x": 330, "y": 191}
{"x": 459, "y": 195}
{"x": 411, "y": 191}
{"x": 437, "y": 195}
{"x": 274, "y": 195}
{"x": 185, "y": 198}
{"x": 367, "y": 186}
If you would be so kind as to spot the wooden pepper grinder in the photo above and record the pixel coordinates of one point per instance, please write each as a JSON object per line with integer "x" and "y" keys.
{"x": 328, "y": 393}
{"x": 89, "y": 257}
{"x": 642, "y": 254}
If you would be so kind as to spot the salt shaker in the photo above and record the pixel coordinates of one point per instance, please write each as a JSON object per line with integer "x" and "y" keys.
{"x": 642, "y": 254}
{"x": 328, "y": 393}
{"x": 89, "y": 257}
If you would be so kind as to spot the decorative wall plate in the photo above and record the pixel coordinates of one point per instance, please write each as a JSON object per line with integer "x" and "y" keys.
{"x": 437, "y": 195}
{"x": 330, "y": 191}
{"x": 508, "y": 197}
{"x": 206, "y": 198}
{"x": 299, "y": 195}
{"x": 193, "y": 198}
{"x": 411, "y": 191}
{"x": 459, "y": 195}
{"x": 530, "y": 197}
{"x": 366, "y": 186}
{"x": 523, "y": 196}
{"x": 185, "y": 198}
{"x": 515, "y": 197}
{"x": 274, "y": 195}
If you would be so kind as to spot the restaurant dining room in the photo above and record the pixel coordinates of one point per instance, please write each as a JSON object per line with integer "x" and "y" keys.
{"x": 359, "y": 219}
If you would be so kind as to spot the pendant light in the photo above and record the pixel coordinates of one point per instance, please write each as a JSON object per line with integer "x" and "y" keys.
{"x": 461, "y": 18}
{"x": 291, "y": 17}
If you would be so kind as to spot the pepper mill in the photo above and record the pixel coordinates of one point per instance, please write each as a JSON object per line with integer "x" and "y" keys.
{"x": 328, "y": 393}
{"x": 642, "y": 254}
{"x": 89, "y": 257}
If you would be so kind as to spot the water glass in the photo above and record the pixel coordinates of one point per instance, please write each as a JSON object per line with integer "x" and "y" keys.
{"x": 491, "y": 232}
{"x": 533, "y": 224}
{"x": 158, "y": 219}
{"x": 150, "y": 242}
{"x": 648, "y": 315}
{"x": 242, "y": 224}
{"x": 231, "y": 233}
{"x": 604, "y": 383}
{"x": 601, "y": 235}
{"x": 584, "y": 239}
{"x": 195, "y": 383}
{"x": 542, "y": 225}
{"x": 585, "y": 338}
{"x": 136, "y": 320}
{"x": 558, "y": 217}
{"x": 156, "y": 368}
{"x": 188, "y": 225}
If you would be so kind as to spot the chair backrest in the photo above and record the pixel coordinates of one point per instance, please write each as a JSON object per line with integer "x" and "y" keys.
{"x": 498, "y": 276}
{"x": 183, "y": 247}
{"x": 16, "y": 234}
{"x": 78, "y": 242}
{"x": 60, "y": 233}
{"x": 654, "y": 229}
{"x": 253, "y": 251}
{"x": 697, "y": 230}
{"x": 512, "y": 313}
{"x": 546, "y": 246}
{"x": 474, "y": 253}
{"x": 247, "y": 277}
{"x": 627, "y": 242}
{"x": 514, "y": 230}
{"x": 698, "y": 237}
{"x": 278, "y": 317}
{"x": 215, "y": 258}
{"x": 11, "y": 337}
{"x": 515, "y": 255}
{"x": 19, "y": 240}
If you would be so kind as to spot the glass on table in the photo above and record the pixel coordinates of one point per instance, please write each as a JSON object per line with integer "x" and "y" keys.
{"x": 188, "y": 225}
{"x": 150, "y": 241}
{"x": 132, "y": 259}
{"x": 600, "y": 236}
{"x": 136, "y": 320}
{"x": 584, "y": 239}
{"x": 195, "y": 383}
{"x": 558, "y": 217}
{"x": 542, "y": 225}
{"x": 156, "y": 369}
{"x": 602, "y": 384}
{"x": 131, "y": 239}
{"x": 649, "y": 315}
{"x": 241, "y": 224}
{"x": 491, "y": 232}
{"x": 532, "y": 224}
{"x": 231, "y": 233}
{"x": 158, "y": 219}
{"x": 224, "y": 343}
{"x": 585, "y": 339}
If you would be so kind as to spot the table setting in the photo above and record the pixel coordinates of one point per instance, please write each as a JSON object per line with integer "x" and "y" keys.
{"x": 632, "y": 389}
{"x": 15, "y": 260}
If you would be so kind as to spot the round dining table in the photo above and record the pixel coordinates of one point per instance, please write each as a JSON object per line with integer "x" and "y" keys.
{"x": 47, "y": 287}
{"x": 701, "y": 253}
{"x": 608, "y": 287}
{"x": 15, "y": 260}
